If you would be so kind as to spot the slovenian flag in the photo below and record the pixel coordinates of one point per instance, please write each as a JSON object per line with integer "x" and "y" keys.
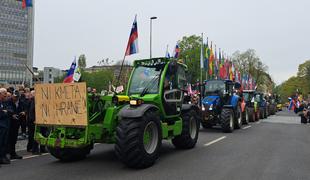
{"x": 27, "y": 3}
{"x": 69, "y": 77}
{"x": 132, "y": 46}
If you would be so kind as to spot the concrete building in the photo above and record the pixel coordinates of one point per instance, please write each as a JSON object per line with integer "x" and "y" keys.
{"x": 50, "y": 73}
{"x": 16, "y": 43}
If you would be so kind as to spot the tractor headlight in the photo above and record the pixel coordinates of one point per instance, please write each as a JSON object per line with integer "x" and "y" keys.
{"x": 211, "y": 107}
{"x": 135, "y": 102}
{"x": 203, "y": 107}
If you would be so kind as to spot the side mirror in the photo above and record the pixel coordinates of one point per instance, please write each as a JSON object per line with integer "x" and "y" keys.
{"x": 173, "y": 96}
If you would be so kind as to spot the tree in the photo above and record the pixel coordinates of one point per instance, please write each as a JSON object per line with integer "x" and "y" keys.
{"x": 249, "y": 63}
{"x": 300, "y": 83}
{"x": 82, "y": 61}
{"x": 99, "y": 80}
{"x": 190, "y": 52}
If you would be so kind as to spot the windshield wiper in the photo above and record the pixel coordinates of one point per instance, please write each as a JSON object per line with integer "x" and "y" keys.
{"x": 146, "y": 89}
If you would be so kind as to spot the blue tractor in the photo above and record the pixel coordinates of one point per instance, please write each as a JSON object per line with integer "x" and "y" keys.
{"x": 221, "y": 106}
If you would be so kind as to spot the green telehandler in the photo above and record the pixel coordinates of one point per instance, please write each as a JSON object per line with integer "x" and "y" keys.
{"x": 151, "y": 111}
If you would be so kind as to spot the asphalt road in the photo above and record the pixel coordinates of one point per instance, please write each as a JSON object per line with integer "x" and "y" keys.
{"x": 275, "y": 148}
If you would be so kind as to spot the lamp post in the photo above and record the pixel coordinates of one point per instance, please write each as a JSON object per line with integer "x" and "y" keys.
{"x": 151, "y": 34}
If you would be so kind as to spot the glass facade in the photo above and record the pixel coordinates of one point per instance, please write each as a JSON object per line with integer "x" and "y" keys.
{"x": 16, "y": 43}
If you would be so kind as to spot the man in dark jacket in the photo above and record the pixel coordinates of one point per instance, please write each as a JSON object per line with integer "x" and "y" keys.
{"x": 4, "y": 127}
{"x": 17, "y": 112}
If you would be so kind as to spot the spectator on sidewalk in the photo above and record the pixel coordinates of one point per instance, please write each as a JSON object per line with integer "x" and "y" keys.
{"x": 23, "y": 124}
{"x": 17, "y": 113}
{"x": 4, "y": 127}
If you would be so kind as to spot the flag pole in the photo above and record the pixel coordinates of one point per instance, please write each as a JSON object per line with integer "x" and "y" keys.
{"x": 201, "y": 58}
{"x": 120, "y": 72}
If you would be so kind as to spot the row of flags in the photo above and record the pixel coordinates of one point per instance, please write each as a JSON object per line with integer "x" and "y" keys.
{"x": 217, "y": 65}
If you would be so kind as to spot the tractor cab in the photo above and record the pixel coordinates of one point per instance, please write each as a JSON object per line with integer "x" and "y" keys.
{"x": 221, "y": 105}
{"x": 248, "y": 96}
{"x": 158, "y": 81}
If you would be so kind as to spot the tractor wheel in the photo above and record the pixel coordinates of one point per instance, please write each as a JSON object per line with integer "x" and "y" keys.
{"x": 245, "y": 116}
{"x": 190, "y": 129}
{"x": 70, "y": 154}
{"x": 238, "y": 118}
{"x": 251, "y": 114}
{"x": 138, "y": 140}
{"x": 257, "y": 115}
{"x": 261, "y": 113}
{"x": 227, "y": 120}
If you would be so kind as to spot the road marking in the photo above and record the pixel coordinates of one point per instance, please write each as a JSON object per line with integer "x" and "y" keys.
{"x": 214, "y": 141}
{"x": 258, "y": 122}
{"x": 30, "y": 156}
{"x": 246, "y": 127}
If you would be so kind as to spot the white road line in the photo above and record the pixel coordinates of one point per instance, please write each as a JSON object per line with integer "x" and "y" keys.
{"x": 30, "y": 156}
{"x": 258, "y": 122}
{"x": 246, "y": 127}
{"x": 214, "y": 141}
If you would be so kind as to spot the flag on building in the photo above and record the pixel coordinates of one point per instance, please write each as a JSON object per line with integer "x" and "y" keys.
{"x": 26, "y": 3}
{"x": 69, "y": 77}
{"x": 132, "y": 46}
{"x": 176, "y": 51}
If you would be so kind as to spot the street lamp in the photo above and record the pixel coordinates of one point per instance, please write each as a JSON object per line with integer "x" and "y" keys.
{"x": 151, "y": 34}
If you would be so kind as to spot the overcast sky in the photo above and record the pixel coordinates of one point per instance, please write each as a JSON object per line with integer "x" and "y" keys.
{"x": 277, "y": 29}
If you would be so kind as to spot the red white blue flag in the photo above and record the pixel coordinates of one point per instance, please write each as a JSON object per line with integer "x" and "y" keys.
{"x": 132, "y": 46}
{"x": 27, "y": 3}
{"x": 69, "y": 77}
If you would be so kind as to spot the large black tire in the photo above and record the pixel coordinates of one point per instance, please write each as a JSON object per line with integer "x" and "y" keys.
{"x": 138, "y": 140}
{"x": 251, "y": 114}
{"x": 266, "y": 114}
{"x": 238, "y": 118}
{"x": 227, "y": 120}
{"x": 262, "y": 113}
{"x": 190, "y": 129}
{"x": 303, "y": 119}
{"x": 245, "y": 116}
{"x": 257, "y": 115}
{"x": 70, "y": 154}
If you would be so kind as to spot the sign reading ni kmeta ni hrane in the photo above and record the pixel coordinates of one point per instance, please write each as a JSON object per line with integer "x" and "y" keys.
{"x": 61, "y": 104}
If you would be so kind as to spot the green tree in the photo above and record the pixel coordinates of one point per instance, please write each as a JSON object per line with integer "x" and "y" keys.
{"x": 99, "y": 80}
{"x": 190, "y": 53}
{"x": 82, "y": 61}
{"x": 300, "y": 83}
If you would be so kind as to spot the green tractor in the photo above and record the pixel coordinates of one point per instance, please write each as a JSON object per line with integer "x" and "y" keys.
{"x": 152, "y": 110}
{"x": 251, "y": 104}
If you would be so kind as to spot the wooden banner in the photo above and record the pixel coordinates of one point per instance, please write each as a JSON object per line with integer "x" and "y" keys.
{"x": 61, "y": 104}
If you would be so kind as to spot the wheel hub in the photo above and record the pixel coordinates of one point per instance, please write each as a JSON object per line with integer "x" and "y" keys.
{"x": 150, "y": 137}
{"x": 192, "y": 127}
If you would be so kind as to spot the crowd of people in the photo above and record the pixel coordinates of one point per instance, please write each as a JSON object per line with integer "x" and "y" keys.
{"x": 17, "y": 116}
